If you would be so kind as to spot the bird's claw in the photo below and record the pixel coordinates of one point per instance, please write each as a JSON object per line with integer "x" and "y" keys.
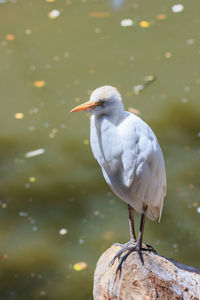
{"x": 128, "y": 249}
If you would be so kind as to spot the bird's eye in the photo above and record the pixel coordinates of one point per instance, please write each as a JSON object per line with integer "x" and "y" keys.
{"x": 101, "y": 102}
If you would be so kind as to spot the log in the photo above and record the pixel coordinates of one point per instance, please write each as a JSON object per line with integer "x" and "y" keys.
{"x": 159, "y": 278}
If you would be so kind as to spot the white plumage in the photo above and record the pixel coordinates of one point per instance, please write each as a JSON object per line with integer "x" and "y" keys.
{"x": 127, "y": 151}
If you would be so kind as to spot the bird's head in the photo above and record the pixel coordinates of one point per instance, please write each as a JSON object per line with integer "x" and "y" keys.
{"x": 105, "y": 100}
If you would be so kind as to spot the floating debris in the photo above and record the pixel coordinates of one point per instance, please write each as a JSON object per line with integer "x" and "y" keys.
{"x": 32, "y": 179}
{"x": 28, "y": 31}
{"x": 144, "y": 24}
{"x": 3, "y": 205}
{"x": 198, "y": 210}
{"x": 126, "y": 23}
{"x": 98, "y": 14}
{"x": 86, "y": 142}
{"x": 43, "y": 293}
{"x": 161, "y": 17}
{"x": 63, "y": 231}
{"x": 190, "y": 41}
{"x": 19, "y": 116}
{"x": 39, "y": 83}
{"x": 177, "y": 8}
{"x": 54, "y": 14}
{"x": 138, "y": 88}
{"x": 34, "y": 153}
{"x": 34, "y": 228}
{"x": 53, "y": 132}
{"x": 80, "y": 266}
{"x": 23, "y": 214}
{"x": 134, "y": 111}
{"x": 50, "y": 0}
{"x": 168, "y": 55}
{"x": 10, "y": 37}
{"x": 147, "y": 80}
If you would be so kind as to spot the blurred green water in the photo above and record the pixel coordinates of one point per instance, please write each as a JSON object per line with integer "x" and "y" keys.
{"x": 64, "y": 187}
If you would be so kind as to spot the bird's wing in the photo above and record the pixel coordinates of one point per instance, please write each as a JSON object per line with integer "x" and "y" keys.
{"x": 140, "y": 150}
{"x": 106, "y": 147}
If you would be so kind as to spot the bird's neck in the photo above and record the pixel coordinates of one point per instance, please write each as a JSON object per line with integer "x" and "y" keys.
{"x": 115, "y": 118}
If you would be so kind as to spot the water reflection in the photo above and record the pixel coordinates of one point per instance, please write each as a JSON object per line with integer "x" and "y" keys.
{"x": 47, "y": 67}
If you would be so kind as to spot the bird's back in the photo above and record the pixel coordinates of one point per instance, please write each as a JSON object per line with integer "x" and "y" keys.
{"x": 132, "y": 161}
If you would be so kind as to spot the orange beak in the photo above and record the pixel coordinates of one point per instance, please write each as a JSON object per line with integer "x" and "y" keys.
{"x": 87, "y": 105}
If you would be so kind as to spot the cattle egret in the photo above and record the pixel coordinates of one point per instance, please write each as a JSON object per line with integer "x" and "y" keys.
{"x": 131, "y": 160}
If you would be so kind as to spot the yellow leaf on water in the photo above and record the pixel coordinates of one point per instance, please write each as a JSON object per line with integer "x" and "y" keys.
{"x": 32, "y": 179}
{"x": 144, "y": 24}
{"x": 79, "y": 266}
{"x": 39, "y": 83}
{"x": 99, "y": 14}
{"x": 19, "y": 116}
{"x": 10, "y": 37}
{"x": 50, "y": 0}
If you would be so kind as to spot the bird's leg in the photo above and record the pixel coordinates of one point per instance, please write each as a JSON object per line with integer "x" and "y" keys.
{"x": 125, "y": 247}
{"x": 138, "y": 246}
{"x": 131, "y": 222}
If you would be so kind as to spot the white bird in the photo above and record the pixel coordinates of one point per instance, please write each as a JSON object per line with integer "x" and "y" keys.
{"x": 131, "y": 160}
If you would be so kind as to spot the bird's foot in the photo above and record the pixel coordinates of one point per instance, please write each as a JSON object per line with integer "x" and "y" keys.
{"x": 127, "y": 249}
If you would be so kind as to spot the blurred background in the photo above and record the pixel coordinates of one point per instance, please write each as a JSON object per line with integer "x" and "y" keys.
{"x": 57, "y": 215}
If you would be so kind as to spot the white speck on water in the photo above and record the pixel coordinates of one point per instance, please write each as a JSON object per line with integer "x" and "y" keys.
{"x": 177, "y": 8}
{"x": 43, "y": 293}
{"x": 63, "y": 126}
{"x": 198, "y": 210}
{"x": 190, "y": 41}
{"x": 138, "y": 88}
{"x": 132, "y": 58}
{"x": 198, "y": 134}
{"x": 27, "y": 186}
{"x": 63, "y": 231}
{"x": 81, "y": 241}
{"x": 54, "y": 14}
{"x": 34, "y": 228}
{"x": 184, "y": 99}
{"x": 23, "y": 214}
{"x": 31, "y": 128}
{"x": 175, "y": 246}
{"x": 34, "y": 153}
{"x": 186, "y": 88}
{"x": 126, "y": 23}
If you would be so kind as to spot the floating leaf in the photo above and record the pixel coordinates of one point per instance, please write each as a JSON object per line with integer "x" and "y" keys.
{"x": 144, "y": 24}
{"x": 50, "y": 0}
{"x": 10, "y": 37}
{"x": 32, "y": 179}
{"x": 161, "y": 17}
{"x": 39, "y": 83}
{"x": 134, "y": 111}
{"x": 98, "y": 14}
{"x": 168, "y": 54}
{"x": 79, "y": 266}
{"x": 19, "y": 116}
{"x": 28, "y": 31}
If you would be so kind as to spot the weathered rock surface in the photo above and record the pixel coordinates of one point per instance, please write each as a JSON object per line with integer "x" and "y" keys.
{"x": 159, "y": 278}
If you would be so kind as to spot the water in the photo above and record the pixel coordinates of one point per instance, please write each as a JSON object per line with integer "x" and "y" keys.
{"x": 47, "y": 67}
